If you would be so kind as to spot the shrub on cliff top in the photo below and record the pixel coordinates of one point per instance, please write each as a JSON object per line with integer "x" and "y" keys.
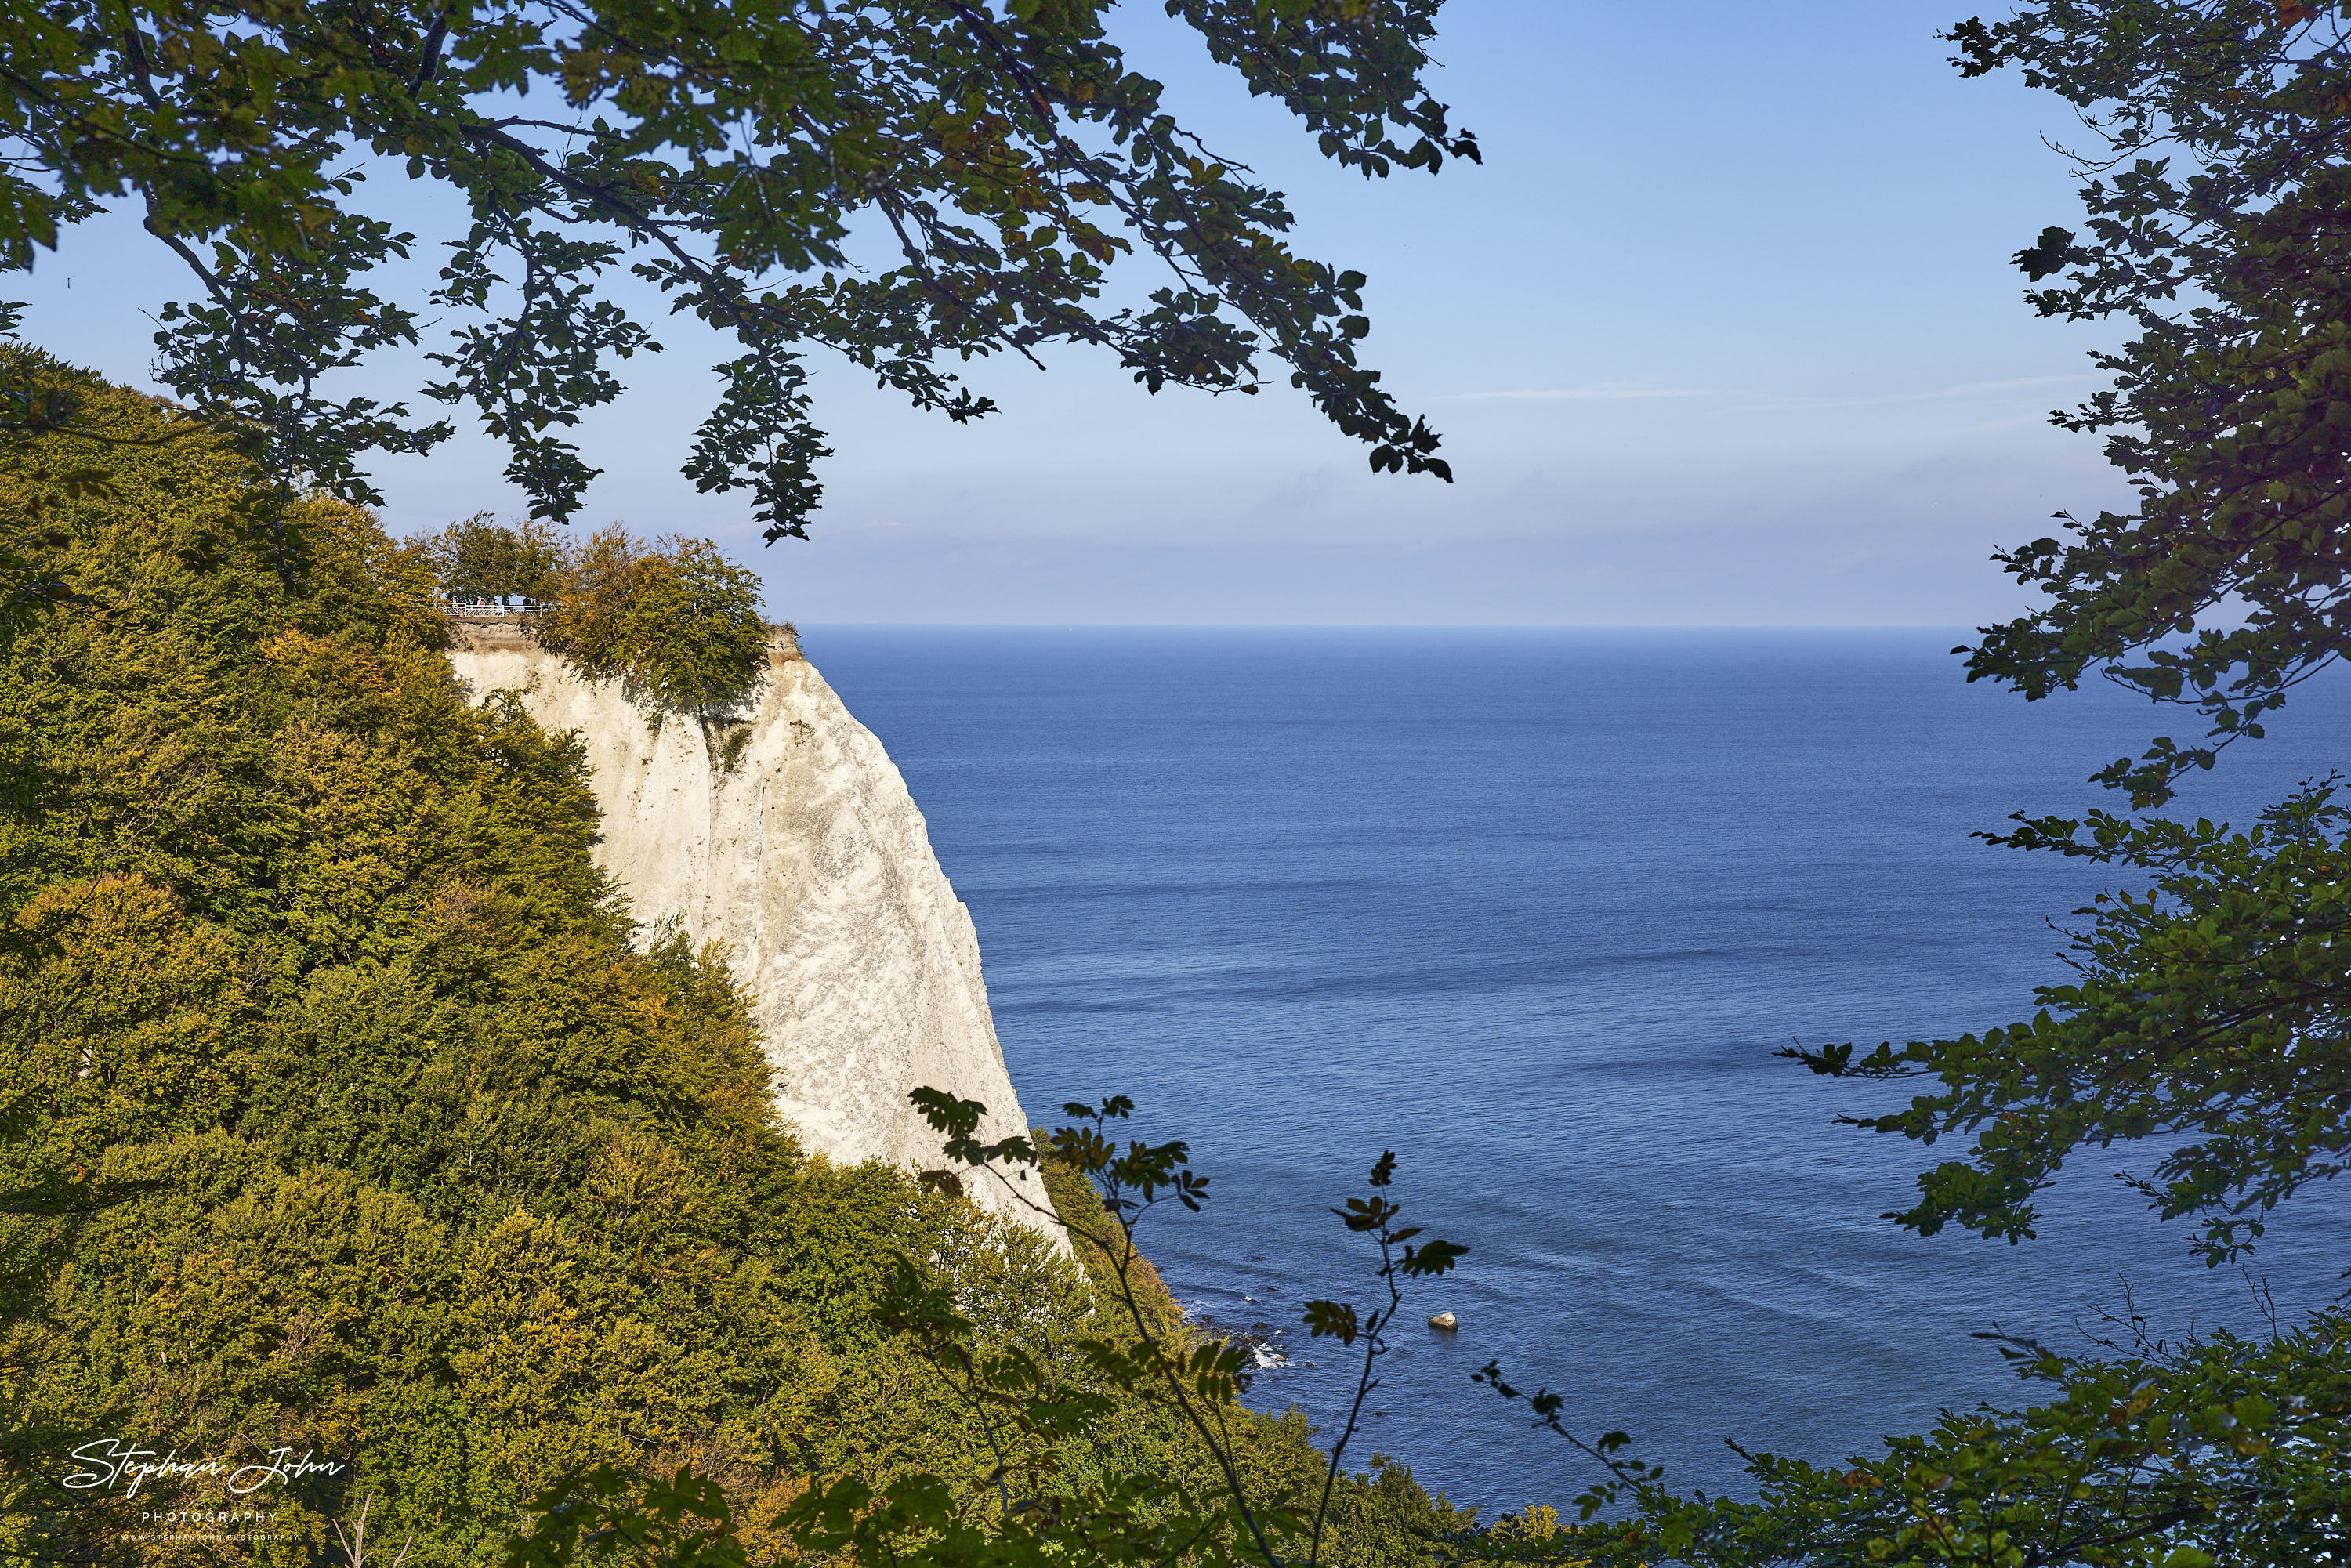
{"x": 676, "y": 620}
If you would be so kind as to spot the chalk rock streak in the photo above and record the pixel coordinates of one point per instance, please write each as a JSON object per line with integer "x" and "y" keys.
{"x": 783, "y": 831}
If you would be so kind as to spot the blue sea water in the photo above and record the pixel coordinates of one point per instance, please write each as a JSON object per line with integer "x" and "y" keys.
{"x": 1533, "y": 910}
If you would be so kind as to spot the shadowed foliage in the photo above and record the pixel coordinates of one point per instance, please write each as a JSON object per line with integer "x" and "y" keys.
{"x": 908, "y": 184}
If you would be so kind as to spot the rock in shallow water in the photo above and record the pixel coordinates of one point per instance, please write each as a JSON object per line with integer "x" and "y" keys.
{"x": 1444, "y": 1323}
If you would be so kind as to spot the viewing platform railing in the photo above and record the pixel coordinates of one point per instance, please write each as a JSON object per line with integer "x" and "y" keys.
{"x": 508, "y": 609}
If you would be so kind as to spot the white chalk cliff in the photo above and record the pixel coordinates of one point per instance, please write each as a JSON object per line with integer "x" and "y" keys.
{"x": 790, "y": 837}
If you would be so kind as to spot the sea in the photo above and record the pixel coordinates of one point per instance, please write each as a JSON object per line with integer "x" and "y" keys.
{"x": 1533, "y": 910}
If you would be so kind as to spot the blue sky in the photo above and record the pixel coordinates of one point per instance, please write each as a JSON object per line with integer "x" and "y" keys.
{"x": 1722, "y": 333}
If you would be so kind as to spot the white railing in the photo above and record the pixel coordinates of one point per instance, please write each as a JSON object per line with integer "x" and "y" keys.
{"x": 508, "y": 608}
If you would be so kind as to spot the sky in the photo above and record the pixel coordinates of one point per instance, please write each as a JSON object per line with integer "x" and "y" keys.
{"x": 1722, "y": 333}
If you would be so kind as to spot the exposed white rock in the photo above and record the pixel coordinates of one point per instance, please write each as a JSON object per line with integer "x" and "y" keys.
{"x": 790, "y": 837}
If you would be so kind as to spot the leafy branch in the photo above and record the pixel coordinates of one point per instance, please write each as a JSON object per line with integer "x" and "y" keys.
{"x": 724, "y": 152}
{"x": 1028, "y": 1409}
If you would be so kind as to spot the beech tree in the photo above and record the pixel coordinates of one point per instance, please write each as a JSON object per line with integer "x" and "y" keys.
{"x": 478, "y": 558}
{"x": 674, "y": 621}
{"x": 730, "y": 154}
{"x": 2211, "y": 1011}
{"x": 2219, "y": 223}
{"x": 2209, "y": 1014}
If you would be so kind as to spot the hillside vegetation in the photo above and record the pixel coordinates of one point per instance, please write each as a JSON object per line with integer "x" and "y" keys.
{"x": 345, "y": 1112}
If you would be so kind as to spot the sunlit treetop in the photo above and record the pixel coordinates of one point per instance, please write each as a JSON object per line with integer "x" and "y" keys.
{"x": 722, "y": 151}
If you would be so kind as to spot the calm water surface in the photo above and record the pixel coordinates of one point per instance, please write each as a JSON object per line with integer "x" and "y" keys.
{"x": 1533, "y": 910}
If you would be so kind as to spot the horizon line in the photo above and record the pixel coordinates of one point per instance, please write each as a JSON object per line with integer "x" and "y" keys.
{"x": 1397, "y": 626}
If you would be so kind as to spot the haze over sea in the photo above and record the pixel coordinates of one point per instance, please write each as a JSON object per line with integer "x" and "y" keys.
{"x": 1533, "y": 909}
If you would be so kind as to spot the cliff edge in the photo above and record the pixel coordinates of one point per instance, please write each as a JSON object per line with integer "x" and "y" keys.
{"x": 787, "y": 834}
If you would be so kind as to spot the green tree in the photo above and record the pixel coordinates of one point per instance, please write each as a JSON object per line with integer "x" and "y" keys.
{"x": 478, "y": 558}
{"x": 2207, "y": 1014}
{"x": 724, "y": 152}
{"x": 2211, "y": 1012}
{"x": 1252, "y": 1502}
{"x": 2219, "y": 204}
{"x": 2221, "y": 1451}
{"x": 676, "y": 619}
{"x": 341, "y": 1107}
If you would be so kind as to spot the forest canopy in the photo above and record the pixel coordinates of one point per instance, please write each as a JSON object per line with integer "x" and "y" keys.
{"x": 342, "y": 1107}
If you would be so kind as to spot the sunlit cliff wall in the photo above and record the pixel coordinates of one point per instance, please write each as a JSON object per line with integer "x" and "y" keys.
{"x": 789, "y": 836}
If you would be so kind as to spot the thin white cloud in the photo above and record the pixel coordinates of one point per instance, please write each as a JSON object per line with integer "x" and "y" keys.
{"x": 1620, "y": 392}
{"x": 1966, "y": 389}
{"x": 1609, "y": 393}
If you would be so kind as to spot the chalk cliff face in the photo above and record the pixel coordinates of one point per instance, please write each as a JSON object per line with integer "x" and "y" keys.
{"x": 790, "y": 837}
